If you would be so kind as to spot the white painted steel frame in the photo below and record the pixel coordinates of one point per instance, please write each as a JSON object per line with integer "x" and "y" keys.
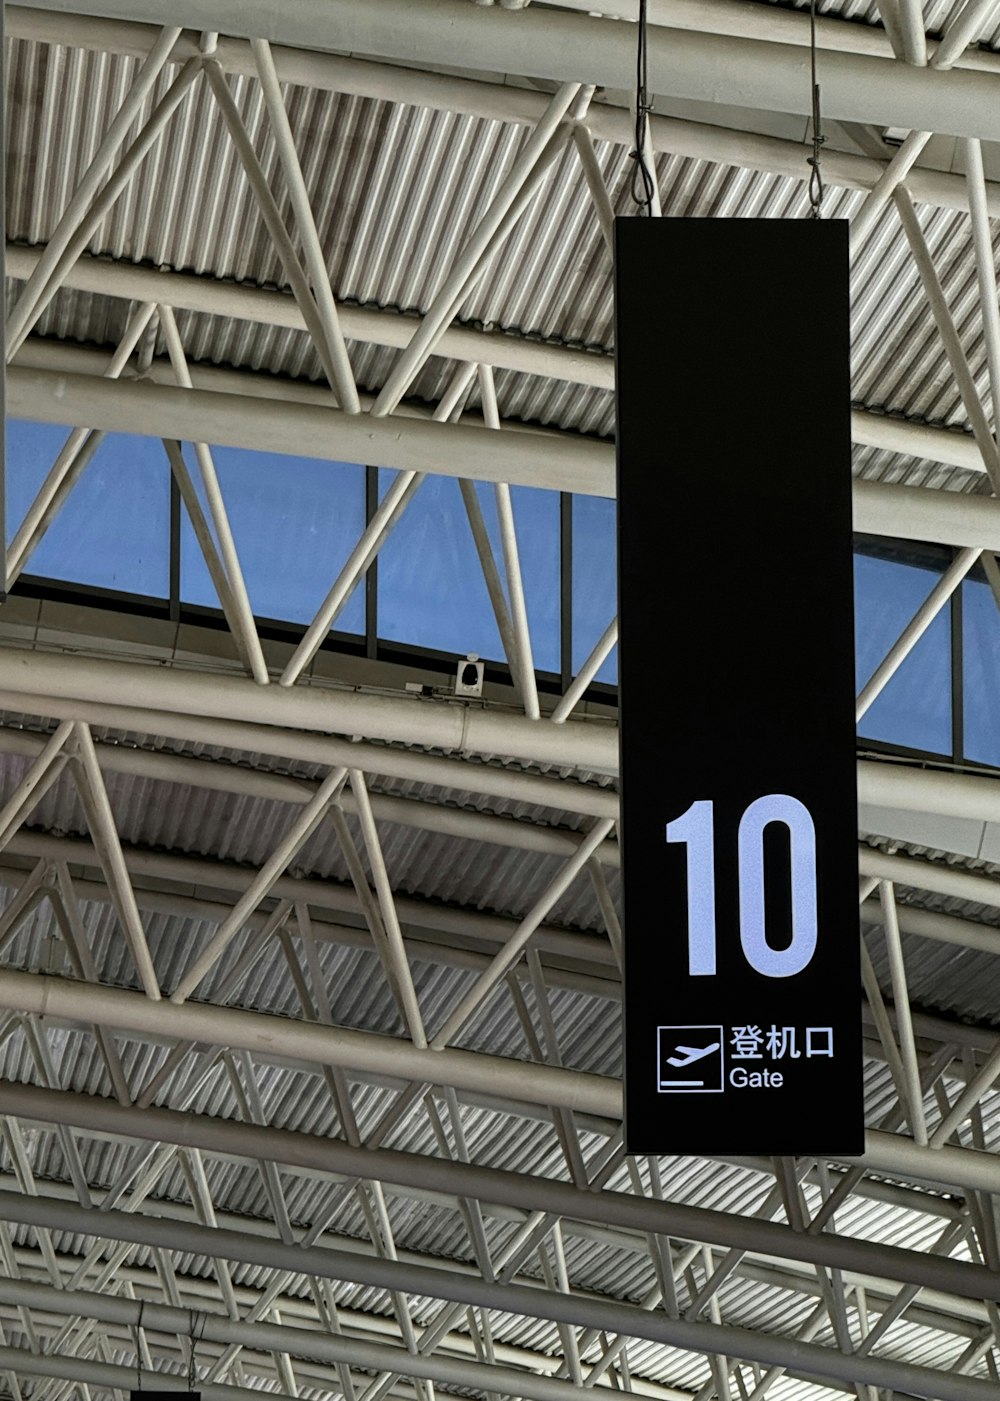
{"x": 857, "y": 85}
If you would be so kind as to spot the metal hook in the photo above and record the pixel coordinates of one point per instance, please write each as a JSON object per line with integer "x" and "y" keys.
{"x": 816, "y": 186}
{"x": 138, "y": 1345}
{"x": 196, "y": 1331}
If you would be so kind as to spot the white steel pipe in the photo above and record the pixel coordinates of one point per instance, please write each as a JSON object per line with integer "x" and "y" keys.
{"x": 61, "y": 384}
{"x": 73, "y": 457}
{"x": 271, "y": 215}
{"x": 359, "y": 1324}
{"x": 77, "y": 687}
{"x": 796, "y": 1357}
{"x": 603, "y": 208}
{"x": 917, "y": 513}
{"x": 26, "y": 795}
{"x": 206, "y": 543}
{"x": 88, "y": 1372}
{"x": 491, "y": 574}
{"x": 242, "y": 611}
{"x": 962, "y": 30}
{"x": 912, "y": 789}
{"x": 326, "y": 306}
{"x": 450, "y": 726}
{"x": 932, "y": 605}
{"x": 104, "y": 833}
{"x": 911, "y": 29}
{"x": 503, "y": 101}
{"x": 565, "y": 47}
{"x": 565, "y": 795}
{"x": 297, "y": 835}
{"x": 914, "y": 1097}
{"x": 532, "y": 1083}
{"x": 560, "y": 463}
{"x": 737, "y": 18}
{"x": 104, "y": 201}
{"x": 589, "y": 954}
{"x": 191, "y": 292}
{"x": 323, "y": 1045}
{"x": 456, "y": 1179}
{"x": 284, "y": 1337}
{"x": 515, "y": 945}
{"x": 394, "y": 953}
{"x": 954, "y": 349}
{"x": 934, "y": 876}
{"x": 25, "y": 308}
{"x": 522, "y": 660}
{"x": 895, "y": 173}
{"x": 446, "y": 820}
{"x": 476, "y": 252}
{"x": 968, "y": 1099}
{"x": 384, "y": 520}
{"x": 199, "y": 1294}
{"x": 880, "y": 784}
{"x": 602, "y": 649}
{"x": 274, "y": 787}
{"x": 942, "y": 928}
{"x": 986, "y": 273}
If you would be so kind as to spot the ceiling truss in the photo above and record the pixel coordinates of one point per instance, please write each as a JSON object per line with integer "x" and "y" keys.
{"x": 117, "y": 1245}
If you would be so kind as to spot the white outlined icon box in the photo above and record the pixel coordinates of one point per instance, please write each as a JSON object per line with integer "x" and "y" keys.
{"x": 690, "y": 1060}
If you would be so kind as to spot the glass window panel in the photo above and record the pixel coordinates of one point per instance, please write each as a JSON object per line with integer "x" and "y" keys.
{"x": 595, "y": 581}
{"x": 114, "y": 530}
{"x": 295, "y": 520}
{"x": 431, "y": 591}
{"x": 914, "y": 709}
{"x": 981, "y": 628}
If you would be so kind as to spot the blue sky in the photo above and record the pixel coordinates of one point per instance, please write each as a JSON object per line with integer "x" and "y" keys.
{"x": 295, "y": 521}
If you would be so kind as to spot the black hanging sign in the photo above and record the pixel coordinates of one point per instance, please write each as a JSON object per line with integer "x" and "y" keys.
{"x": 736, "y": 656}
{"x": 165, "y": 1396}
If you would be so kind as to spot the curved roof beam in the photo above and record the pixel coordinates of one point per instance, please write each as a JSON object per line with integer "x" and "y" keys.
{"x": 560, "y": 46}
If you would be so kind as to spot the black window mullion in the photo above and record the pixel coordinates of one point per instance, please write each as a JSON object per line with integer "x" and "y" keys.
{"x": 566, "y": 588}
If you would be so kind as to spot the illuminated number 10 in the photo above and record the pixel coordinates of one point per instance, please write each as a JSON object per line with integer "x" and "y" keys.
{"x": 696, "y": 830}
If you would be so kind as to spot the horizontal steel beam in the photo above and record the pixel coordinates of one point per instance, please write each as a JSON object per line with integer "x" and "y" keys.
{"x": 964, "y": 1317}
{"x": 448, "y": 1372}
{"x": 551, "y": 45}
{"x": 608, "y": 118}
{"x": 124, "y": 1010}
{"x": 233, "y": 711}
{"x": 63, "y": 384}
{"x": 440, "y": 817}
{"x": 905, "y": 789}
{"x": 560, "y": 794}
{"x": 201, "y": 1293}
{"x": 581, "y": 961}
{"x": 245, "y": 302}
{"x": 126, "y": 1314}
{"x": 322, "y": 1045}
{"x": 451, "y": 726}
{"x": 975, "y": 797}
{"x": 745, "y": 19}
{"x": 966, "y": 796}
{"x": 954, "y": 447}
{"x": 942, "y": 928}
{"x": 548, "y": 460}
{"x": 968, "y": 1280}
{"x": 873, "y": 507}
{"x": 936, "y": 876}
{"x": 112, "y": 1376}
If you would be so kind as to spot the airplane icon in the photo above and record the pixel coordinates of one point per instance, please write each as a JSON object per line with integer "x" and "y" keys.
{"x": 682, "y": 1068}
{"x": 691, "y": 1054}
